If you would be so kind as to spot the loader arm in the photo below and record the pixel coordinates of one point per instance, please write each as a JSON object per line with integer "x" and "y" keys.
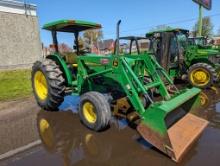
{"x": 167, "y": 125}
{"x": 162, "y": 122}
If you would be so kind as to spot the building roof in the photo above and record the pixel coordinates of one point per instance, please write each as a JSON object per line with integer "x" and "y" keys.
{"x": 16, "y": 3}
{"x": 105, "y": 44}
{"x": 17, "y": 7}
{"x": 71, "y": 25}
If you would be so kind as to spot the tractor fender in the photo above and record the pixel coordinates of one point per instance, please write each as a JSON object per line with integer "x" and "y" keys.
{"x": 63, "y": 66}
{"x": 201, "y": 60}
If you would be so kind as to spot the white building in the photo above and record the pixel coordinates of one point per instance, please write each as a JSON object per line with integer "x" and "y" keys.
{"x": 19, "y": 35}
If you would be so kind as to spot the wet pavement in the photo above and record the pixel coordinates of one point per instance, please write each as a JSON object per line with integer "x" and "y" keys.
{"x": 18, "y": 124}
{"x": 66, "y": 142}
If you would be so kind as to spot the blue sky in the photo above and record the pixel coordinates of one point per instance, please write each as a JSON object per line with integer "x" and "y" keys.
{"x": 137, "y": 17}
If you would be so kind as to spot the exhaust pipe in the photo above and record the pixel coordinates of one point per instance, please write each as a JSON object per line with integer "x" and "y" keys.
{"x": 117, "y": 37}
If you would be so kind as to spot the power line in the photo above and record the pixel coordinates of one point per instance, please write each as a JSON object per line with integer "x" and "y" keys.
{"x": 165, "y": 24}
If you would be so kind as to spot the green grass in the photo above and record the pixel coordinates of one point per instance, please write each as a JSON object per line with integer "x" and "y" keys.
{"x": 15, "y": 84}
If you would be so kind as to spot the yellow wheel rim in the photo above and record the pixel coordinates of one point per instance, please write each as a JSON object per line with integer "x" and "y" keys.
{"x": 89, "y": 112}
{"x": 40, "y": 84}
{"x": 204, "y": 100}
{"x": 91, "y": 144}
{"x": 200, "y": 77}
{"x": 46, "y": 133}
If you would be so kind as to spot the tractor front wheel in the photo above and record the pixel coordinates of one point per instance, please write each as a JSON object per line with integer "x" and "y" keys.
{"x": 202, "y": 75}
{"x": 48, "y": 84}
{"x": 94, "y": 111}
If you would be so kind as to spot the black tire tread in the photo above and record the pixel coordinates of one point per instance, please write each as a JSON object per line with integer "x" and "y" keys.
{"x": 213, "y": 73}
{"x": 55, "y": 81}
{"x": 102, "y": 107}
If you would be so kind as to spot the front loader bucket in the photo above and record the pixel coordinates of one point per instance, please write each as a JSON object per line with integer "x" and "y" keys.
{"x": 170, "y": 127}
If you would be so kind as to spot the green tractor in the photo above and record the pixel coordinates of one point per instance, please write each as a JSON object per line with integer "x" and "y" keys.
{"x": 185, "y": 57}
{"x": 199, "y": 41}
{"x": 119, "y": 84}
{"x": 202, "y": 42}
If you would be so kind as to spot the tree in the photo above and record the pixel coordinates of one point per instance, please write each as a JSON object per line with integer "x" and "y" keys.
{"x": 90, "y": 37}
{"x": 81, "y": 42}
{"x": 207, "y": 27}
{"x": 63, "y": 48}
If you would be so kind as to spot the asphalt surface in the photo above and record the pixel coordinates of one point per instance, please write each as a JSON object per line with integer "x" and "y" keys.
{"x": 17, "y": 124}
{"x": 70, "y": 143}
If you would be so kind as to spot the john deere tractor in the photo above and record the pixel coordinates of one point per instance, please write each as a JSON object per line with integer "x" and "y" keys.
{"x": 185, "y": 57}
{"x": 108, "y": 84}
{"x": 202, "y": 42}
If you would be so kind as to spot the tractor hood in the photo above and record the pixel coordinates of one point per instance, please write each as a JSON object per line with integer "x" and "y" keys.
{"x": 207, "y": 52}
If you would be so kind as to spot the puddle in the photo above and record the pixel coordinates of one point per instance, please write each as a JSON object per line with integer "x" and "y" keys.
{"x": 65, "y": 141}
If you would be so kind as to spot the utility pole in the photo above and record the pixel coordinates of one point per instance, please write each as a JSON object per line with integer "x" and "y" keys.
{"x": 207, "y": 4}
{"x": 200, "y": 25}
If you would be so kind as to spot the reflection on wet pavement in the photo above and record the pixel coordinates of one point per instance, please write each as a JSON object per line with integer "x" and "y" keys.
{"x": 78, "y": 145}
{"x": 211, "y": 110}
{"x": 65, "y": 141}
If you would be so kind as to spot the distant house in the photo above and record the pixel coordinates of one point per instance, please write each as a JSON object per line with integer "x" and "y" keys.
{"x": 216, "y": 40}
{"x": 107, "y": 46}
{"x": 104, "y": 47}
{"x": 143, "y": 44}
{"x": 46, "y": 50}
{"x": 63, "y": 48}
{"x": 20, "y": 43}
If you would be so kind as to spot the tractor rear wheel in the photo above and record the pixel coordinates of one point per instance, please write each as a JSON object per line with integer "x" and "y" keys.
{"x": 94, "y": 111}
{"x": 202, "y": 75}
{"x": 48, "y": 84}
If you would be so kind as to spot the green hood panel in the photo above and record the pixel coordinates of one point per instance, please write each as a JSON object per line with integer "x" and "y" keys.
{"x": 207, "y": 52}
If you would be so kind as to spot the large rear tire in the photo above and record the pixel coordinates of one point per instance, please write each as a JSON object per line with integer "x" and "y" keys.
{"x": 48, "y": 84}
{"x": 94, "y": 111}
{"x": 202, "y": 75}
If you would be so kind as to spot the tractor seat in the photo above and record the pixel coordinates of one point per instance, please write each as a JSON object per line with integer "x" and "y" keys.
{"x": 70, "y": 58}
